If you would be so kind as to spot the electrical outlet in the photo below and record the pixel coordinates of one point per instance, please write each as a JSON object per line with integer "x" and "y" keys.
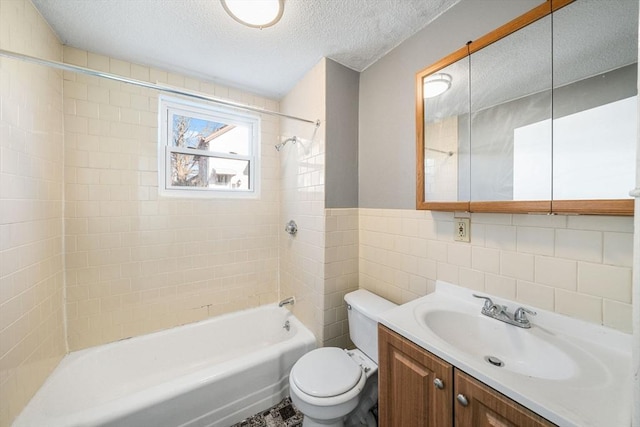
{"x": 462, "y": 229}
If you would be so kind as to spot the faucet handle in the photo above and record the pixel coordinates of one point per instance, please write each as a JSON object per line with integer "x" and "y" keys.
{"x": 520, "y": 315}
{"x": 488, "y": 304}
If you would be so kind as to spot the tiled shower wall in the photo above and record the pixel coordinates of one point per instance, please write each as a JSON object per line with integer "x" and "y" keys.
{"x": 302, "y": 195}
{"x": 31, "y": 201}
{"x": 135, "y": 262}
{"x": 578, "y": 266}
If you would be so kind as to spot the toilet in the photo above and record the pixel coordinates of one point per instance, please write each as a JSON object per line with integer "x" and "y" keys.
{"x": 336, "y": 387}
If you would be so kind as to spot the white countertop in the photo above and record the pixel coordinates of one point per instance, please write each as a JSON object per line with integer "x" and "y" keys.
{"x": 598, "y": 393}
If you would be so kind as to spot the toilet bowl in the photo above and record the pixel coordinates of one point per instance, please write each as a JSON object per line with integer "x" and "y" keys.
{"x": 336, "y": 387}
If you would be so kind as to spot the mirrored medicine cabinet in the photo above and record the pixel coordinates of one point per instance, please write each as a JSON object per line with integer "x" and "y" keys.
{"x": 538, "y": 116}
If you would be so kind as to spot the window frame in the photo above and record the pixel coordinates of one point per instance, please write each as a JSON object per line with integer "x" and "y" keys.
{"x": 168, "y": 107}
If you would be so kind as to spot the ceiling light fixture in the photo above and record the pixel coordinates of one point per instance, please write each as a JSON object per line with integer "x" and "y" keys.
{"x": 255, "y": 13}
{"x": 436, "y": 84}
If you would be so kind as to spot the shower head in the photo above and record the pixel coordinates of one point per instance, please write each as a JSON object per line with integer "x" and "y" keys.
{"x": 293, "y": 139}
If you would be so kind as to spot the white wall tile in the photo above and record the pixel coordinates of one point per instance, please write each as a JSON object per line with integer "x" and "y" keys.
{"x": 236, "y": 256}
{"x": 535, "y": 240}
{"x": 556, "y": 272}
{"x": 543, "y": 221}
{"x": 518, "y": 266}
{"x": 444, "y": 230}
{"x": 533, "y": 276}
{"x": 578, "y": 305}
{"x": 32, "y": 336}
{"x": 617, "y": 315}
{"x": 618, "y": 249}
{"x": 301, "y": 194}
{"x": 487, "y": 260}
{"x": 448, "y": 273}
{"x": 501, "y": 237}
{"x": 437, "y": 250}
{"x": 471, "y": 279}
{"x": 492, "y": 218}
{"x": 501, "y": 286}
{"x": 418, "y": 285}
{"x": 535, "y": 295}
{"x": 459, "y": 254}
{"x": 428, "y": 268}
{"x": 605, "y": 281}
{"x": 579, "y": 245}
{"x": 601, "y": 223}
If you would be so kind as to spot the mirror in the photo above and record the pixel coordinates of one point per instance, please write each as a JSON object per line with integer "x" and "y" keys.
{"x": 446, "y": 133}
{"x": 549, "y": 120}
{"x": 511, "y": 90}
{"x": 595, "y": 52}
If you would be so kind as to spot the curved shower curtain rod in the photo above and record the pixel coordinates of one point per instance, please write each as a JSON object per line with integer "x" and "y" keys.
{"x": 159, "y": 87}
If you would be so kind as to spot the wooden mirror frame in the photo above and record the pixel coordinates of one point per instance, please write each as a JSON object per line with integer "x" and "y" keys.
{"x": 587, "y": 207}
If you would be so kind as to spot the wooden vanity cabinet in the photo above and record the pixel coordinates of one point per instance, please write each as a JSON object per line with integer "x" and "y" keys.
{"x": 485, "y": 407}
{"x": 417, "y": 388}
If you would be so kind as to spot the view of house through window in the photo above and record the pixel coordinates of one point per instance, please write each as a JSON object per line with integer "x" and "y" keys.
{"x": 206, "y": 150}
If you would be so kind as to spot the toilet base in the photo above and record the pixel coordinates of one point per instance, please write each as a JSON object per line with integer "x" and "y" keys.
{"x": 361, "y": 415}
{"x": 308, "y": 422}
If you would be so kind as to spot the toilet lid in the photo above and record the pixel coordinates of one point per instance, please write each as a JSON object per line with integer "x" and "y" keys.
{"x": 326, "y": 372}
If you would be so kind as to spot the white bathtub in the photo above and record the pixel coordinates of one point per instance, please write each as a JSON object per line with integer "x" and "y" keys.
{"x": 211, "y": 373}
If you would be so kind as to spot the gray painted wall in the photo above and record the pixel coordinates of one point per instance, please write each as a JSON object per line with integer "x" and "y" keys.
{"x": 386, "y": 158}
{"x": 341, "y": 169}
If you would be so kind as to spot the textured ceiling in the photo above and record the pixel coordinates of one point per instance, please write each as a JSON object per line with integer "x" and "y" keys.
{"x": 197, "y": 38}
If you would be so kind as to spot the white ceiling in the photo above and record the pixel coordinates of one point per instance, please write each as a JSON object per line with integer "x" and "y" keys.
{"x": 197, "y": 38}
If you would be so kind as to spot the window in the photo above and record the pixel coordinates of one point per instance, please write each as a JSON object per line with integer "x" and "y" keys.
{"x": 207, "y": 151}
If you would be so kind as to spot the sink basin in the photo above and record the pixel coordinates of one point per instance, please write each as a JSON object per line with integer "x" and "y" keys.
{"x": 531, "y": 352}
{"x": 572, "y": 372}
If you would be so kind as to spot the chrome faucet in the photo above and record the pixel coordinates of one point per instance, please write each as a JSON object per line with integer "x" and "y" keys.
{"x": 290, "y": 300}
{"x": 500, "y": 312}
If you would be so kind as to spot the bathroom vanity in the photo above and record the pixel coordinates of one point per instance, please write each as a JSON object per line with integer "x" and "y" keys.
{"x": 418, "y": 388}
{"x": 443, "y": 363}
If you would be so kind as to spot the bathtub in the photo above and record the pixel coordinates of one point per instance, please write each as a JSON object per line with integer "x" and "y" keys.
{"x": 211, "y": 373}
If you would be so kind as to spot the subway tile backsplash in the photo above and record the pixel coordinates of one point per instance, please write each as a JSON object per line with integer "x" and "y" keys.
{"x": 574, "y": 265}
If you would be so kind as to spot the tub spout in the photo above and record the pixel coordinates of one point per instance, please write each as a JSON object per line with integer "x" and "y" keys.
{"x": 290, "y": 300}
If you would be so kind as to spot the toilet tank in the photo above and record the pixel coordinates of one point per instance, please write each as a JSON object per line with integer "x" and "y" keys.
{"x": 363, "y": 309}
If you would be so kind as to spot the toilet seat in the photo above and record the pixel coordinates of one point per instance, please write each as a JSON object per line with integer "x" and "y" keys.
{"x": 326, "y": 372}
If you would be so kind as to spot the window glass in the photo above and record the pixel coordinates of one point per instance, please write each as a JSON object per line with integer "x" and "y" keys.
{"x": 206, "y": 150}
{"x": 203, "y": 134}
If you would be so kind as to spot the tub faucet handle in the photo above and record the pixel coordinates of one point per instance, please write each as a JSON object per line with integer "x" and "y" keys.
{"x": 291, "y": 227}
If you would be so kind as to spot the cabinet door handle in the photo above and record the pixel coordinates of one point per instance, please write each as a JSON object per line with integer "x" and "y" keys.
{"x": 462, "y": 400}
{"x": 438, "y": 383}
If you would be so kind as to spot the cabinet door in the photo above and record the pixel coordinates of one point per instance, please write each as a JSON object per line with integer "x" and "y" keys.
{"x": 486, "y": 407}
{"x": 415, "y": 386}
